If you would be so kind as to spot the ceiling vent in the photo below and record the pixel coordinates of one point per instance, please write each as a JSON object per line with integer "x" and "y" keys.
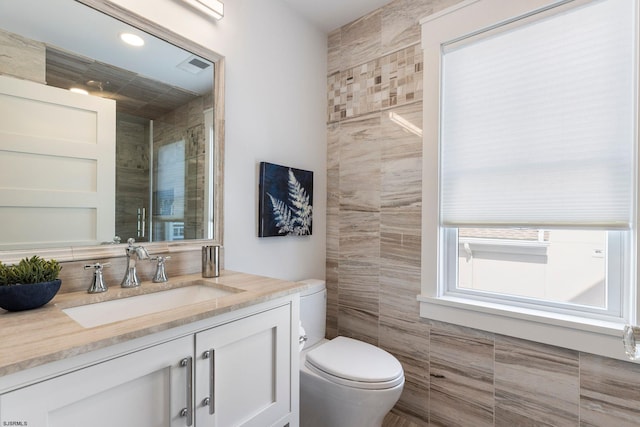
{"x": 194, "y": 65}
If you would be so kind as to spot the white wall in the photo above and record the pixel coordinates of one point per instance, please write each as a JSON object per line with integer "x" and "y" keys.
{"x": 275, "y": 112}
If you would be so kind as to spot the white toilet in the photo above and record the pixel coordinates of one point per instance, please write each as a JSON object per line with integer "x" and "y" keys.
{"x": 343, "y": 382}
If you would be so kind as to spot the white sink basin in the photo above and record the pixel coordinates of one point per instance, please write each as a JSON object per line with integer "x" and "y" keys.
{"x": 106, "y": 312}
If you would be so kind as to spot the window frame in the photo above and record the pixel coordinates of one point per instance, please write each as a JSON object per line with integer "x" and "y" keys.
{"x": 617, "y": 263}
{"x": 596, "y": 334}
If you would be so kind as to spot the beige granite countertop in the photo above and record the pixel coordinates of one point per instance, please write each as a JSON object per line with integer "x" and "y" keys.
{"x": 34, "y": 337}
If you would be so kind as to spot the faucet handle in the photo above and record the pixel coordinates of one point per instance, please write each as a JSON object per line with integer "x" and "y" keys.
{"x": 161, "y": 274}
{"x": 97, "y": 283}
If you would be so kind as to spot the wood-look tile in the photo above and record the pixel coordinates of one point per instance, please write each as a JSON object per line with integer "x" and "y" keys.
{"x": 535, "y": 384}
{"x": 333, "y": 188}
{"x": 333, "y": 232}
{"x": 360, "y": 40}
{"x": 333, "y": 168}
{"x": 409, "y": 342}
{"x": 399, "y": 286}
{"x": 22, "y": 58}
{"x": 609, "y": 392}
{"x": 333, "y": 145}
{"x": 413, "y": 404}
{"x": 334, "y": 45}
{"x": 332, "y": 280}
{"x": 360, "y": 164}
{"x": 358, "y": 286}
{"x": 401, "y": 183}
{"x": 363, "y": 200}
{"x": 400, "y": 21}
{"x": 360, "y": 150}
{"x": 401, "y": 128}
{"x": 358, "y": 324}
{"x": 359, "y": 235}
{"x": 396, "y": 418}
{"x": 461, "y": 386}
{"x": 406, "y": 338}
{"x": 400, "y": 246}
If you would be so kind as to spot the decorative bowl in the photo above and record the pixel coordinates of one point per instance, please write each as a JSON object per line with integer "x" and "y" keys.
{"x": 21, "y": 296}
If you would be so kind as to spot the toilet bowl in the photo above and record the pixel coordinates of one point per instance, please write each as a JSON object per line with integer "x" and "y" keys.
{"x": 343, "y": 382}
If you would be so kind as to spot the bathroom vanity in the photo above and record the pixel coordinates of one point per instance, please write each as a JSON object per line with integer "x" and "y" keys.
{"x": 225, "y": 360}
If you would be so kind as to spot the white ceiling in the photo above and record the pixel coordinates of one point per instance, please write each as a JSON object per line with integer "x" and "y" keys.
{"x": 328, "y": 15}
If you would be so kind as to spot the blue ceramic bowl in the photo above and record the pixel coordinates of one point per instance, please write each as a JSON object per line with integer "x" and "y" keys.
{"x": 27, "y": 296}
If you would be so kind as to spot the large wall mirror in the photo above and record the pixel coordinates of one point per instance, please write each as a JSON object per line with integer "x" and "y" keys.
{"x": 166, "y": 159}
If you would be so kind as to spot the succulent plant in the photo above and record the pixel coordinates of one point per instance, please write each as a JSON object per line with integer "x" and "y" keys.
{"x": 29, "y": 270}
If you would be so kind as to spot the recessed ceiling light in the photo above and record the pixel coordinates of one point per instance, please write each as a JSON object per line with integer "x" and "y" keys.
{"x": 132, "y": 39}
{"x": 78, "y": 90}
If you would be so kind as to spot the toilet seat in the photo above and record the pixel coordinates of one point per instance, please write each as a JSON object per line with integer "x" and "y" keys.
{"x": 355, "y": 364}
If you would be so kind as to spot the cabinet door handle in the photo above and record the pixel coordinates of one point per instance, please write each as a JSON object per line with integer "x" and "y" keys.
{"x": 210, "y": 401}
{"x": 187, "y": 362}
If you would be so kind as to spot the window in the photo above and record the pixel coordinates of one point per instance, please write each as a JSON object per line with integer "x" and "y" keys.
{"x": 570, "y": 271}
{"x": 533, "y": 114}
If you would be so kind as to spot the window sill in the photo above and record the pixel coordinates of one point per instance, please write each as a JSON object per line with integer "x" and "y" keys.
{"x": 603, "y": 338}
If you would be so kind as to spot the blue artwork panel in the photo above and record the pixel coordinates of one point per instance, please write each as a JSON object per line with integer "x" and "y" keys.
{"x": 286, "y": 199}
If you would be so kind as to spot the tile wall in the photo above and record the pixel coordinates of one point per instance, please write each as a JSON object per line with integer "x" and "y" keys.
{"x": 454, "y": 376}
{"x": 22, "y": 57}
{"x": 132, "y": 174}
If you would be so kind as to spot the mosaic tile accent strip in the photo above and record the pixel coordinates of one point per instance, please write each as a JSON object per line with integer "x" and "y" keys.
{"x": 391, "y": 80}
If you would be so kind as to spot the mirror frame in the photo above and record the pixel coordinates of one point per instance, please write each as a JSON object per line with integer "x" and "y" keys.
{"x": 81, "y": 253}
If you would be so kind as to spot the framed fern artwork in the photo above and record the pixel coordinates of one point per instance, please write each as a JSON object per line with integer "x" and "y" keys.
{"x": 286, "y": 199}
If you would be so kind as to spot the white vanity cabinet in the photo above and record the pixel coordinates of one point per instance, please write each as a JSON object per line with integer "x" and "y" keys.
{"x": 243, "y": 372}
{"x": 237, "y": 371}
{"x": 144, "y": 388}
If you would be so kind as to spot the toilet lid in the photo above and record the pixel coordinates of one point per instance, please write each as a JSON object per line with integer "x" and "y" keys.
{"x": 355, "y": 364}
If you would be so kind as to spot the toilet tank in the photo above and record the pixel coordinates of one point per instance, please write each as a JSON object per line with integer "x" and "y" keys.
{"x": 313, "y": 310}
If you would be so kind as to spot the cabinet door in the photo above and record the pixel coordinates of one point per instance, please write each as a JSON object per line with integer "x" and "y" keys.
{"x": 145, "y": 388}
{"x": 243, "y": 371}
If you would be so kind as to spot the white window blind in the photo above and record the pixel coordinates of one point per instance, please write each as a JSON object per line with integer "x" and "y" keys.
{"x": 537, "y": 122}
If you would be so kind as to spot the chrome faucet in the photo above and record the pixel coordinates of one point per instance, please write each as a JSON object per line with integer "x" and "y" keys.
{"x": 161, "y": 274}
{"x": 134, "y": 253}
{"x": 97, "y": 283}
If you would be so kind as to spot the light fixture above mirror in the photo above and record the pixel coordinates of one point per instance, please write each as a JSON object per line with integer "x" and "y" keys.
{"x": 212, "y": 8}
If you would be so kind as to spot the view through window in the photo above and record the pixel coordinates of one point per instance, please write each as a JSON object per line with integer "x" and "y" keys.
{"x": 565, "y": 266}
